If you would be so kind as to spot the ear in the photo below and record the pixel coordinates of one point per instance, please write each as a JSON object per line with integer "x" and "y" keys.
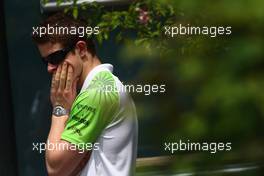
{"x": 81, "y": 48}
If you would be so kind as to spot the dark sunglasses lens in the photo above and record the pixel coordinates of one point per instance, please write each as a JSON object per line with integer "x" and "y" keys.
{"x": 56, "y": 58}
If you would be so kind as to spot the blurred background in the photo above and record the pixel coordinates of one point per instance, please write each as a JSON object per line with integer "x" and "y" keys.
{"x": 214, "y": 86}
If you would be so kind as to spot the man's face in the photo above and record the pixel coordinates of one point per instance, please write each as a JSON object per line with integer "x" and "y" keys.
{"x": 71, "y": 58}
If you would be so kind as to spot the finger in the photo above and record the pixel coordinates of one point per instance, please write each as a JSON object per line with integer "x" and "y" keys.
{"x": 63, "y": 76}
{"x": 57, "y": 78}
{"x": 53, "y": 81}
{"x": 69, "y": 78}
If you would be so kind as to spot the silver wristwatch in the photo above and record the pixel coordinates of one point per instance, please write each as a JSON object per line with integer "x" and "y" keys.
{"x": 59, "y": 111}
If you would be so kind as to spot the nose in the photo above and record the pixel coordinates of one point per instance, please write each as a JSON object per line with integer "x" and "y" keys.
{"x": 51, "y": 68}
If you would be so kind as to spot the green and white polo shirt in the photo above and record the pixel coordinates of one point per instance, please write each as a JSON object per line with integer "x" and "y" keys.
{"x": 104, "y": 115}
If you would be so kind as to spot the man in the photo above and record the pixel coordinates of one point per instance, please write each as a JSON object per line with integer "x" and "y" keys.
{"x": 101, "y": 120}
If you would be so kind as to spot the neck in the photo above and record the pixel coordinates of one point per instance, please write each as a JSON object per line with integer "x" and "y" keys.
{"x": 88, "y": 65}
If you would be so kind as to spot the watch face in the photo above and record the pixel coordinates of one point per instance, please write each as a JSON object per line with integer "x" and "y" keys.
{"x": 59, "y": 111}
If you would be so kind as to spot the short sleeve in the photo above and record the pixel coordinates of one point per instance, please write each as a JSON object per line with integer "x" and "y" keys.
{"x": 92, "y": 110}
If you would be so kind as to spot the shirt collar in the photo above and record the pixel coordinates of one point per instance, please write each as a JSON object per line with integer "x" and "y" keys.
{"x": 94, "y": 71}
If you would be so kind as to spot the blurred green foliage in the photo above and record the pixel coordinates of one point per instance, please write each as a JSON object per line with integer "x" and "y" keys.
{"x": 214, "y": 85}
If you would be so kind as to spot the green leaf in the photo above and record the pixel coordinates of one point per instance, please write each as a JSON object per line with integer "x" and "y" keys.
{"x": 140, "y": 41}
{"x": 75, "y": 12}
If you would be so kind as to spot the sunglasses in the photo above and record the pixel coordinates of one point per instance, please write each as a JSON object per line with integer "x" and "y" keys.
{"x": 58, "y": 56}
